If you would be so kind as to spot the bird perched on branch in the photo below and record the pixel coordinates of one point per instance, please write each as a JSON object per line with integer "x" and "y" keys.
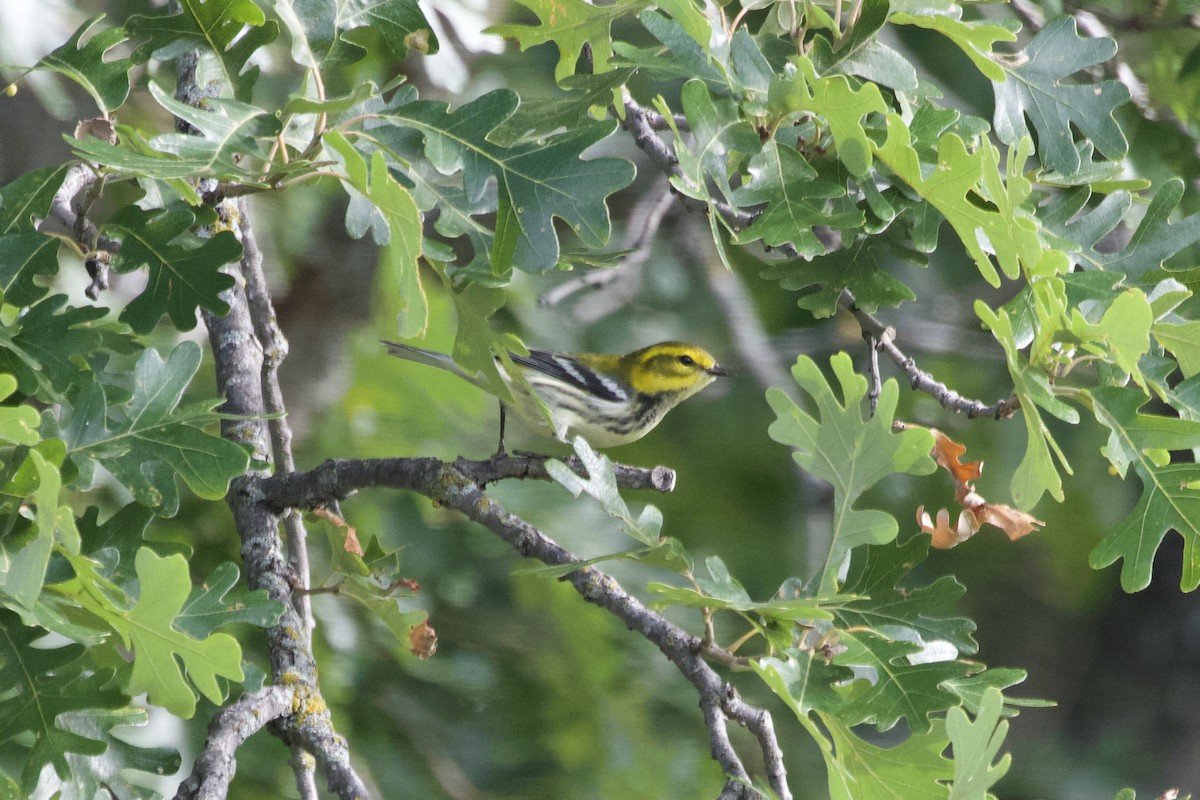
{"x": 606, "y": 399}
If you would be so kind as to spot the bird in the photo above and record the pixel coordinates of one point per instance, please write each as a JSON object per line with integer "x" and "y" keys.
{"x": 609, "y": 400}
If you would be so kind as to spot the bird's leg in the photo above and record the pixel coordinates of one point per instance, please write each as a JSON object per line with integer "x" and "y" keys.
{"x": 500, "y": 447}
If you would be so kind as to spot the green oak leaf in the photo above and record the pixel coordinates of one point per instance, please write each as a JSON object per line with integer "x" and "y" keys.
{"x": 915, "y": 769}
{"x": 399, "y": 211}
{"x": 376, "y": 581}
{"x": 388, "y": 611}
{"x": 1183, "y": 341}
{"x": 223, "y": 143}
{"x": 231, "y": 30}
{"x": 719, "y": 137}
{"x": 1002, "y": 227}
{"x": 874, "y": 61}
{"x": 318, "y": 29}
{"x": 971, "y": 690}
{"x": 1122, "y": 335}
{"x": 28, "y": 198}
{"x": 42, "y": 348}
{"x": 904, "y": 686}
{"x": 220, "y": 601}
{"x": 1184, "y": 397}
{"x": 113, "y": 544}
{"x": 749, "y": 70}
{"x": 475, "y": 340}
{"x": 148, "y": 440}
{"x": 875, "y": 574}
{"x": 1036, "y": 474}
{"x": 601, "y": 485}
{"x": 1132, "y": 436}
{"x": 1170, "y": 499}
{"x": 805, "y": 681}
{"x": 781, "y": 178}
{"x": 1154, "y": 240}
{"x": 863, "y": 268}
{"x": 1100, "y": 176}
{"x": 40, "y": 685}
{"x": 975, "y": 747}
{"x": 838, "y": 102}
{"x": 872, "y": 16}
{"x": 107, "y": 81}
{"x": 185, "y": 270}
{"x": 719, "y": 589}
{"x": 24, "y": 252}
{"x": 534, "y": 181}
{"x": 686, "y": 55}
{"x": 105, "y": 775}
{"x": 1036, "y": 88}
{"x": 24, "y": 256}
{"x": 851, "y": 453}
{"x": 976, "y": 39}
{"x": 18, "y": 423}
{"x": 164, "y": 654}
{"x": 25, "y": 548}
{"x": 537, "y": 118}
{"x": 570, "y": 24}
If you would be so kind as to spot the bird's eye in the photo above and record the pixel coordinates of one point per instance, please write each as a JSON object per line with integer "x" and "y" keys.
{"x": 687, "y": 361}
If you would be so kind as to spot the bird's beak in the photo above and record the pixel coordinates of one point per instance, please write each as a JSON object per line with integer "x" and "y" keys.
{"x": 716, "y": 370}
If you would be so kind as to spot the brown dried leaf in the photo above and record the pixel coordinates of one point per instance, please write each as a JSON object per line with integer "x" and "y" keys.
{"x": 422, "y": 640}
{"x": 1008, "y": 519}
{"x": 947, "y": 452}
{"x": 351, "y": 544}
{"x": 943, "y": 536}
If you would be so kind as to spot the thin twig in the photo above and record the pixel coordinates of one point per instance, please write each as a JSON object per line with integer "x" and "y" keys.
{"x": 920, "y": 380}
{"x": 875, "y": 383}
{"x": 533, "y": 466}
{"x": 649, "y": 211}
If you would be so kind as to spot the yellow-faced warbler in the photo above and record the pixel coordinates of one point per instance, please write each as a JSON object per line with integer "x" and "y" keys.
{"x": 606, "y": 399}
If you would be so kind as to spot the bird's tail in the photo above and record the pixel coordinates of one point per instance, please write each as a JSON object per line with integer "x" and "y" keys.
{"x": 428, "y": 357}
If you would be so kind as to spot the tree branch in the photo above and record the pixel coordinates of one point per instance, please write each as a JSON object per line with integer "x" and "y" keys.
{"x": 275, "y": 350}
{"x": 533, "y": 466}
{"x": 240, "y": 367}
{"x": 884, "y": 338}
{"x": 65, "y": 208}
{"x": 450, "y": 487}
{"x": 646, "y": 218}
{"x": 230, "y": 727}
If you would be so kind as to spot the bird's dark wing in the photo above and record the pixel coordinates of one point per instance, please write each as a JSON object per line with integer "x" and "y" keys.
{"x": 564, "y": 368}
